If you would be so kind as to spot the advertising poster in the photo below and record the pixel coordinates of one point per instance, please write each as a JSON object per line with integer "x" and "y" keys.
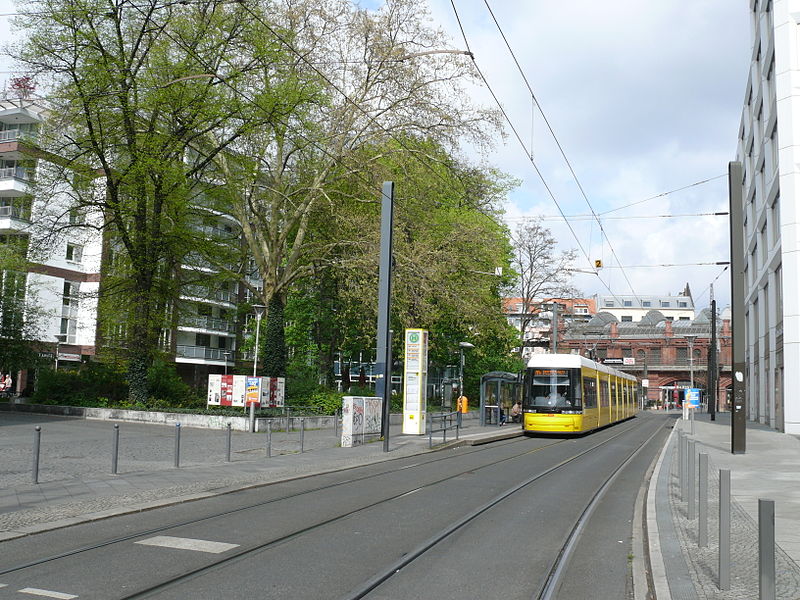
{"x": 253, "y": 390}
{"x": 226, "y": 391}
{"x": 214, "y": 385}
{"x": 239, "y": 390}
{"x": 272, "y": 392}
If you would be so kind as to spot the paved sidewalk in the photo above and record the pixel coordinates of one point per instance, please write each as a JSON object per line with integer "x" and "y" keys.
{"x": 76, "y": 484}
{"x": 769, "y": 469}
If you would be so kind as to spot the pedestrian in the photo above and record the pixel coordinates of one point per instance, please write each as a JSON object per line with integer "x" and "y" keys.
{"x": 516, "y": 412}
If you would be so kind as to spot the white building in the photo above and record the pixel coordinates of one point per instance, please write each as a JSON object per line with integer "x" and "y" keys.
{"x": 631, "y": 309}
{"x": 769, "y": 150}
{"x": 64, "y": 277}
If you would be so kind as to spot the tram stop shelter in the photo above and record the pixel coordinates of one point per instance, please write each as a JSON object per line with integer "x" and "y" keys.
{"x": 499, "y": 391}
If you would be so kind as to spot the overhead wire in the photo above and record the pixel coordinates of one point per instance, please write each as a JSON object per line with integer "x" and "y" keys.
{"x": 522, "y": 144}
{"x": 558, "y": 143}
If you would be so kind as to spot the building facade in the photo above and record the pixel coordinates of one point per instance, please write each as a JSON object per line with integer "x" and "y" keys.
{"x": 769, "y": 150}
{"x": 670, "y": 356}
{"x": 64, "y": 249}
{"x": 630, "y": 309}
{"x": 533, "y": 319}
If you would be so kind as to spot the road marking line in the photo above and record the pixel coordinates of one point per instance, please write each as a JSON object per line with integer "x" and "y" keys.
{"x": 168, "y": 541}
{"x": 47, "y": 593}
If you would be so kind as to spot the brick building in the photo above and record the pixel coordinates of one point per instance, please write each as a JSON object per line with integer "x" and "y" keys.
{"x": 671, "y": 355}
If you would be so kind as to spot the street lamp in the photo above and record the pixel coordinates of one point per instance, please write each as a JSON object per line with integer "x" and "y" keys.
{"x": 60, "y": 339}
{"x": 690, "y": 338}
{"x": 259, "y": 309}
{"x": 461, "y": 346}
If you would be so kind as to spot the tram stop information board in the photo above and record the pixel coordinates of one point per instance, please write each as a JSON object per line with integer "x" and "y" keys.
{"x": 415, "y": 382}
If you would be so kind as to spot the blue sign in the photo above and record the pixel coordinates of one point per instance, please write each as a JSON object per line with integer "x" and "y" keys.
{"x": 693, "y": 397}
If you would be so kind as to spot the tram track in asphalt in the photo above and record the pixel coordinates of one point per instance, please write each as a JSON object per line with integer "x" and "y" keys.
{"x": 246, "y": 553}
{"x": 261, "y": 504}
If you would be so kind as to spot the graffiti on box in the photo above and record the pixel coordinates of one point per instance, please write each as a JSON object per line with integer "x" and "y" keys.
{"x": 361, "y": 417}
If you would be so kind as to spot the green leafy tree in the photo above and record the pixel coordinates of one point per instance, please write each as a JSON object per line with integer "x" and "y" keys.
{"x": 134, "y": 90}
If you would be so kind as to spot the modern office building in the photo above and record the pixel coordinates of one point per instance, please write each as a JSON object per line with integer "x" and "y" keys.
{"x": 769, "y": 151}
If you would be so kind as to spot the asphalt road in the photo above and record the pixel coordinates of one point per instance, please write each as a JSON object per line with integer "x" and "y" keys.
{"x": 328, "y": 536}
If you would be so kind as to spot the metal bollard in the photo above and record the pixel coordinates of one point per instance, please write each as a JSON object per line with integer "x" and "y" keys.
{"x": 302, "y": 434}
{"x": 724, "y": 529}
{"x": 702, "y": 523}
{"x": 269, "y": 438}
{"x": 691, "y": 509}
{"x": 37, "y": 441}
{"x": 681, "y": 466}
{"x": 430, "y": 431}
{"x": 115, "y": 450}
{"x": 177, "y": 445}
{"x": 336, "y": 424}
{"x": 766, "y": 549}
{"x": 691, "y": 420}
{"x": 228, "y": 445}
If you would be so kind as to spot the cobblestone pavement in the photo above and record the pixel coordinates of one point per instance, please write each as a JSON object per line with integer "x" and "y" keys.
{"x": 776, "y": 456}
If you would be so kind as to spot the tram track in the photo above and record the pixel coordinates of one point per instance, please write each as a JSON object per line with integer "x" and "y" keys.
{"x": 257, "y": 505}
{"x": 408, "y": 558}
{"x": 245, "y": 553}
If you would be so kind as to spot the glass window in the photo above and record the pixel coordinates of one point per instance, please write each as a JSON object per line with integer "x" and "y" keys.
{"x": 626, "y": 319}
{"x": 664, "y": 304}
{"x": 74, "y": 253}
{"x": 552, "y": 390}
{"x": 646, "y": 303}
{"x": 627, "y": 303}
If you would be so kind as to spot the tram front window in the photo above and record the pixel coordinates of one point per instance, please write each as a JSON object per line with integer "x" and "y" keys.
{"x": 552, "y": 392}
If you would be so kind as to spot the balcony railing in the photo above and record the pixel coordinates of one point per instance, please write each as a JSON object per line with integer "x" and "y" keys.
{"x": 198, "y": 291}
{"x": 14, "y": 211}
{"x": 205, "y": 353}
{"x": 15, "y": 173}
{"x": 212, "y": 323}
{"x": 9, "y": 135}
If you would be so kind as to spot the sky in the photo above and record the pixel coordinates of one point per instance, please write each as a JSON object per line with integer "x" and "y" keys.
{"x": 643, "y": 97}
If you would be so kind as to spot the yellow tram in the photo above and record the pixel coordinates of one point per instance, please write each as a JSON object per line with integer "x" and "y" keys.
{"x": 567, "y": 393}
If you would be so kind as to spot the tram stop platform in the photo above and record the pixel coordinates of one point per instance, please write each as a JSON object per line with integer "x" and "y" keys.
{"x": 768, "y": 469}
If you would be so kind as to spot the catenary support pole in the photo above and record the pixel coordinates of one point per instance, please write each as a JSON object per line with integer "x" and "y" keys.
{"x": 738, "y": 408}
{"x": 383, "y": 387}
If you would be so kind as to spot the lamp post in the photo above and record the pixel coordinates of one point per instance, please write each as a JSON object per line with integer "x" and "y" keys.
{"x": 60, "y": 339}
{"x": 690, "y": 338}
{"x": 461, "y": 346}
{"x": 259, "y": 309}
{"x": 226, "y": 355}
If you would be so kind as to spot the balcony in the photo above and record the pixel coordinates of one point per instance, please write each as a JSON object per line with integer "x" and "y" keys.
{"x": 207, "y": 323}
{"x": 13, "y": 219}
{"x": 14, "y": 181}
{"x": 203, "y": 353}
{"x": 198, "y": 291}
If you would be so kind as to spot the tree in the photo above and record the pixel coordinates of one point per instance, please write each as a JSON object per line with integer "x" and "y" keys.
{"x": 134, "y": 88}
{"x": 353, "y": 92}
{"x": 542, "y": 272}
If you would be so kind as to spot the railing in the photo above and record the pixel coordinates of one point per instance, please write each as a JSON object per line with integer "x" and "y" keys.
{"x": 15, "y": 173}
{"x": 214, "y": 232}
{"x": 444, "y": 422}
{"x": 8, "y": 135}
{"x": 212, "y": 323}
{"x": 199, "y": 291}
{"x": 203, "y": 352}
{"x": 13, "y": 211}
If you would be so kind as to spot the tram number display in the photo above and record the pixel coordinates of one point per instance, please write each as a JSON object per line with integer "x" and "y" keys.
{"x": 550, "y": 372}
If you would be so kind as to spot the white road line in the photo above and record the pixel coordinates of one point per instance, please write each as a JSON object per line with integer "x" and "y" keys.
{"x": 168, "y": 541}
{"x": 47, "y": 593}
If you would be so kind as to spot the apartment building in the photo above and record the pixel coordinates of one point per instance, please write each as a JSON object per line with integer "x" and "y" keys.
{"x": 631, "y": 309}
{"x": 534, "y": 318}
{"x": 768, "y": 149}
{"x": 64, "y": 248}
